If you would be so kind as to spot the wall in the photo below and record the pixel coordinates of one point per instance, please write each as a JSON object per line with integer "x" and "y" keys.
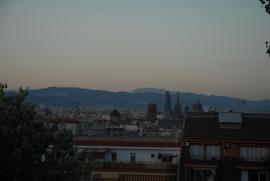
{"x": 142, "y": 155}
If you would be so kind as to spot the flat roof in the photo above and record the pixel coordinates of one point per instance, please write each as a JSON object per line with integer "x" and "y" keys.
{"x": 230, "y": 117}
{"x": 132, "y": 142}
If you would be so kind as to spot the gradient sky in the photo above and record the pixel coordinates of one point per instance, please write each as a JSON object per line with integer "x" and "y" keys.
{"x": 204, "y": 46}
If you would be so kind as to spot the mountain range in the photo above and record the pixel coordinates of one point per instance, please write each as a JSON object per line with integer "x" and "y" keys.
{"x": 137, "y": 99}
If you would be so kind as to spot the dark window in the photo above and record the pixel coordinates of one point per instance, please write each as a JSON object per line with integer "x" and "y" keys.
{"x": 257, "y": 176}
{"x": 253, "y": 177}
{"x": 132, "y": 157}
{"x": 263, "y": 177}
{"x": 114, "y": 157}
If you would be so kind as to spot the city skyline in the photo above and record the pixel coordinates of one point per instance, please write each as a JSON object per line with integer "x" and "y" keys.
{"x": 210, "y": 47}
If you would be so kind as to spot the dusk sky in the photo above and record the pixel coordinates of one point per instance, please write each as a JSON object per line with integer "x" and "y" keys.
{"x": 203, "y": 46}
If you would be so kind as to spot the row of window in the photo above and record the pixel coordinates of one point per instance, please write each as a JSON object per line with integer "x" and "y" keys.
{"x": 253, "y": 175}
{"x": 213, "y": 153}
{"x": 254, "y": 154}
{"x": 197, "y": 152}
{"x": 132, "y": 156}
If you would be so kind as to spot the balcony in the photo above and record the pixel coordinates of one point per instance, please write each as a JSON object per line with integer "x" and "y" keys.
{"x": 196, "y": 157}
{"x": 203, "y": 157}
{"x": 133, "y": 167}
{"x": 200, "y": 161}
{"x": 255, "y": 158}
{"x": 256, "y": 162}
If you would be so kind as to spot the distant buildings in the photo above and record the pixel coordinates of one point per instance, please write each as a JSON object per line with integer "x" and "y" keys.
{"x": 152, "y": 112}
{"x": 115, "y": 115}
{"x": 167, "y": 103}
{"x": 197, "y": 106}
{"x": 177, "y": 108}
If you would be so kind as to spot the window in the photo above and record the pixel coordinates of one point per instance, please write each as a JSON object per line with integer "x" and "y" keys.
{"x": 132, "y": 157}
{"x": 213, "y": 152}
{"x": 258, "y": 176}
{"x": 114, "y": 157}
{"x": 254, "y": 154}
{"x": 196, "y": 152}
{"x": 263, "y": 177}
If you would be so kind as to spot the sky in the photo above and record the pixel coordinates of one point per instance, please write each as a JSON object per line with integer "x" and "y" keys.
{"x": 210, "y": 46}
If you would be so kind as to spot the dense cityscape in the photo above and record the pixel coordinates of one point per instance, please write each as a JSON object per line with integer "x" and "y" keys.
{"x": 174, "y": 144}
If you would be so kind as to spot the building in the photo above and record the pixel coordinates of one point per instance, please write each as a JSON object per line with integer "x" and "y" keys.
{"x": 115, "y": 115}
{"x": 167, "y": 103}
{"x": 68, "y": 124}
{"x": 130, "y": 159}
{"x": 177, "y": 108}
{"x": 196, "y": 107}
{"x": 226, "y": 146}
{"x": 152, "y": 112}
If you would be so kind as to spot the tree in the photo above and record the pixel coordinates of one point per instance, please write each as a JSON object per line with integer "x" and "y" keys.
{"x": 30, "y": 148}
{"x": 266, "y": 6}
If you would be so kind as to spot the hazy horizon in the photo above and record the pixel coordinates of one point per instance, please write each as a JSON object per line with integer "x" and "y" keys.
{"x": 130, "y": 91}
{"x": 209, "y": 47}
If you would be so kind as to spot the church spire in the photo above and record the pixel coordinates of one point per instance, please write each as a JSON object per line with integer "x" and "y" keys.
{"x": 177, "y": 108}
{"x": 167, "y": 105}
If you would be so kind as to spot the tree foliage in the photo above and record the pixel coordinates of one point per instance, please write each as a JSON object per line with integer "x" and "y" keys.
{"x": 266, "y": 6}
{"x": 30, "y": 148}
{"x": 267, "y": 48}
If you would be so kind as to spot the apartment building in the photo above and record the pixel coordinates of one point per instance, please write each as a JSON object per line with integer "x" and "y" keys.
{"x": 130, "y": 159}
{"x": 226, "y": 146}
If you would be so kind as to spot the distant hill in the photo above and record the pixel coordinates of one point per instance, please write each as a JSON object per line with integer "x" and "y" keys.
{"x": 139, "y": 98}
{"x": 151, "y": 90}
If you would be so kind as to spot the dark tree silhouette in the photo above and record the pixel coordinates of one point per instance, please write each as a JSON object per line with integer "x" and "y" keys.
{"x": 266, "y": 6}
{"x": 30, "y": 148}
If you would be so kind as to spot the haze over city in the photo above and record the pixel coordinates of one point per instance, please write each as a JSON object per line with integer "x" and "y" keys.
{"x": 211, "y": 47}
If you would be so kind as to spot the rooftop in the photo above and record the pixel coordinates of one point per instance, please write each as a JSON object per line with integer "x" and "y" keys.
{"x": 254, "y": 127}
{"x": 130, "y": 142}
{"x": 230, "y": 117}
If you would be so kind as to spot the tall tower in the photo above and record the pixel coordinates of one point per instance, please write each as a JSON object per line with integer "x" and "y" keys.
{"x": 177, "y": 108}
{"x": 152, "y": 112}
{"x": 167, "y": 105}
